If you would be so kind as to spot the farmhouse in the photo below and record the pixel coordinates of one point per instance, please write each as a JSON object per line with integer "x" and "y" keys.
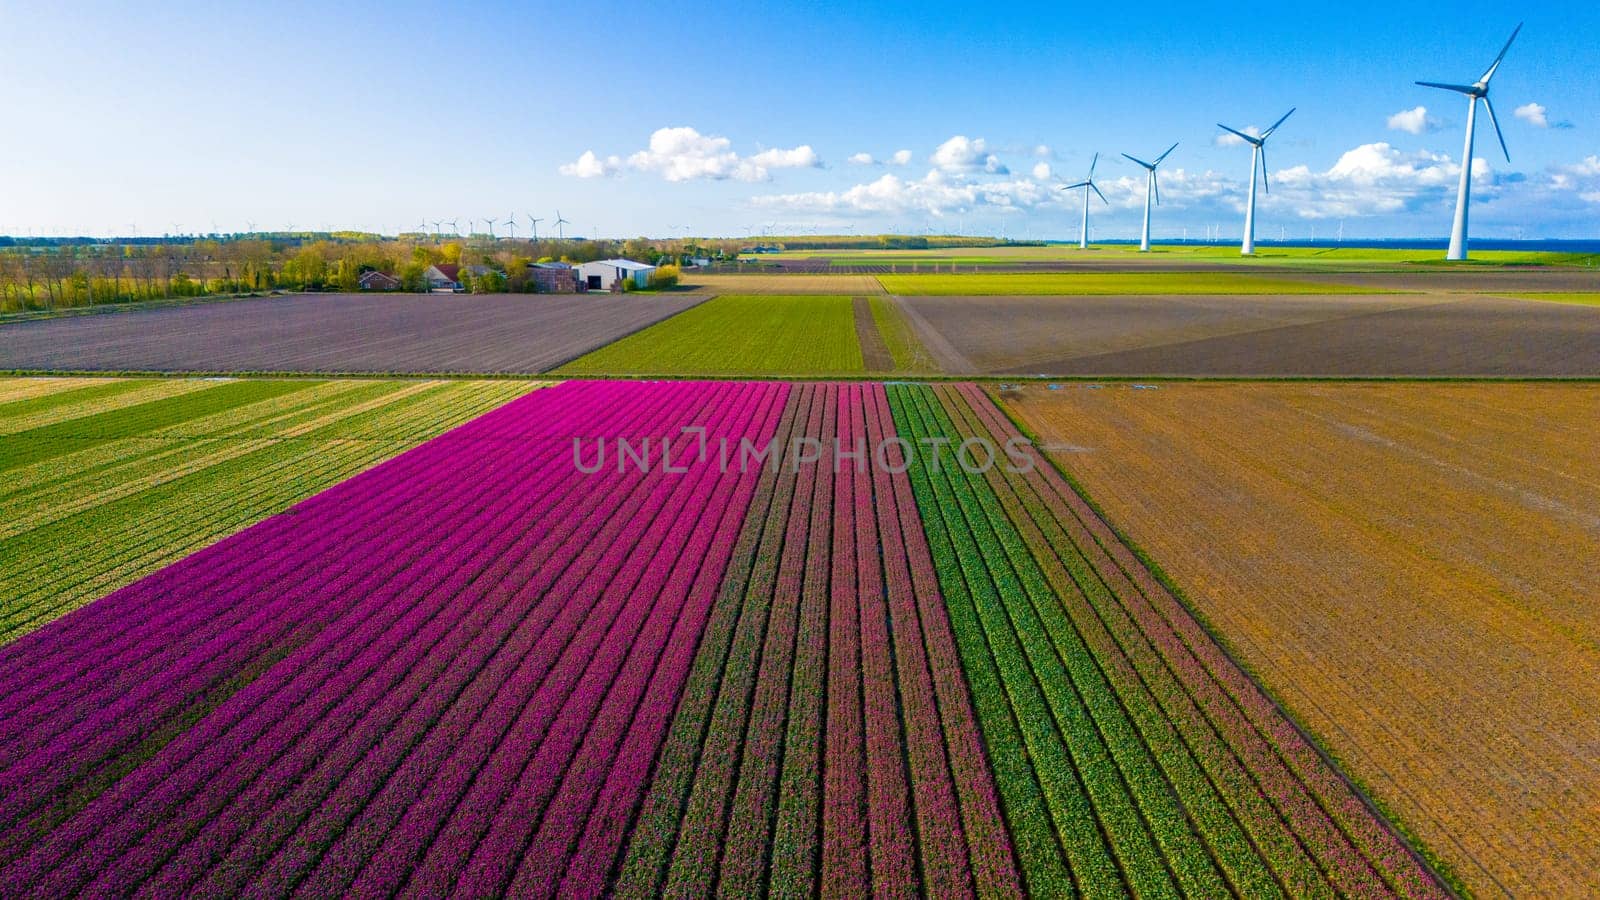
{"x": 378, "y": 281}
{"x": 444, "y": 276}
{"x": 609, "y": 274}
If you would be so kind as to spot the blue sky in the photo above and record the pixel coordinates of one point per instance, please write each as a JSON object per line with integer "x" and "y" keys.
{"x": 194, "y": 116}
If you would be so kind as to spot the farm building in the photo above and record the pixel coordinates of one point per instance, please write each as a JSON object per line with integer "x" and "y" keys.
{"x": 604, "y": 274}
{"x": 378, "y": 281}
{"x": 444, "y": 276}
{"x": 555, "y": 278}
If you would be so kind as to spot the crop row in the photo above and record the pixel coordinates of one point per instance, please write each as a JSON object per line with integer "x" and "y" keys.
{"x": 97, "y": 512}
{"x": 1133, "y": 720}
{"x": 420, "y": 678}
{"x": 826, "y": 743}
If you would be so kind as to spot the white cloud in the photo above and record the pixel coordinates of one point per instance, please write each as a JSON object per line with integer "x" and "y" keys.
{"x": 1581, "y": 178}
{"x": 1041, "y": 171}
{"x": 591, "y": 166}
{"x": 801, "y": 157}
{"x": 938, "y": 193}
{"x": 684, "y": 154}
{"x": 861, "y": 159}
{"x": 963, "y": 154}
{"x": 1414, "y": 121}
{"x": 1042, "y": 151}
{"x": 1229, "y": 139}
{"x": 901, "y": 157}
{"x": 1376, "y": 179}
{"x": 1533, "y": 114}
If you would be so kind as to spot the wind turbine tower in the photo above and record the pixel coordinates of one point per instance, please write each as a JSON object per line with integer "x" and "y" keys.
{"x": 533, "y": 225}
{"x": 1478, "y": 90}
{"x": 1258, "y": 166}
{"x": 561, "y": 233}
{"x": 1088, "y": 185}
{"x": 1150, "y": 188}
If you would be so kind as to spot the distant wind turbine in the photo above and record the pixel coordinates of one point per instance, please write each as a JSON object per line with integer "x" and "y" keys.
{"x": 455, "y": 226}
{"x": 1258, "y": 164}
{"x": 1088, "y": 185}
{"x": 1150, "y": 188}
{"x": 561, "y": 232}
{"x": 1478, "y": 90}
{"x": 489, "y": 223}
{"x": 533, "y": 225}
{"x": 511, "y": 223}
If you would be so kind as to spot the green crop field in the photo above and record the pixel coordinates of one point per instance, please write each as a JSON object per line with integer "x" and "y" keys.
{"x": 738, "y": 335}
{"x": 107, "y": 480}
{"x": 1068, "y": 283}
{"x": 1575, "y": 299}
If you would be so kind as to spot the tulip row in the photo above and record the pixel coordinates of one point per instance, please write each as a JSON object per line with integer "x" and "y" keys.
{"x": 1167, "y": 746}
{"x": 371, "y": 693}
{"x": 1353, "y": 847}
{"x": 826, "y": 743}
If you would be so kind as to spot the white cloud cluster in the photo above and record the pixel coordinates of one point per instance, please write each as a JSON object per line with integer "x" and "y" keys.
{"x": 1376, "y": 179}
{"x": 1581, "y": 179}
{"x": 901, "y": 158}
{"x": 684, "y": 154}
{"x": 938, "y": 194}
{"x": 1229, "y": 139}
{"x": 1534, "y": 114}
{"x": 1537, "y": 115}
{"x": 1041, "y": 171}
{"x": 591, "y": 166}
{"x": 1416, "y": 120}
{"x": 963, "y": 154}
{"x": 861, "y": 159}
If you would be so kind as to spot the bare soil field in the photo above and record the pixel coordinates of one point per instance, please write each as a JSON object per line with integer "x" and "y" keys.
{"x": 521, "y": 333}
{"x": 1410, "y": 568}
{"x": 1264, "y": 335}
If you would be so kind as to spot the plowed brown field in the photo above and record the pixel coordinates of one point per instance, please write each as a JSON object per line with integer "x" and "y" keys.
{"x": 1410, "y": 567}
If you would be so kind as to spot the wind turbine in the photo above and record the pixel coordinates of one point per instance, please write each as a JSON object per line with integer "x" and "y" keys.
{"x": 511, "y": 222}
{"x": 533, "y": 225}
{"x": 1150, "y": 187}
{"x": 1088, "y": 185}
{"x": 454, "y": 226}
{"x": 1258, "y": 164}
{"x": 561, "y": 233}
{"x": 1478, "y": 90}
{"x": 489, "y": 223}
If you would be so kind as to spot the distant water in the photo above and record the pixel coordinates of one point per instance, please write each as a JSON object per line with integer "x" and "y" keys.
{"x": 1542, "y": 246}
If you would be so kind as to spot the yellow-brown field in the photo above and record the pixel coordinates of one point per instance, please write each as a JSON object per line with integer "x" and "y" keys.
{"x": 757, "y": 283}
{"x": 1411, "y": 568}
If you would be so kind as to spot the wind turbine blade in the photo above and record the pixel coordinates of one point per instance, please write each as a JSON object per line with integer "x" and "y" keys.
{"x": 1140, "y": 161}
{"x": 1264, "y": 182}
{"x": 1097, "y": 191}
{"x": 1073, "y": 187}
{"x": 1249, "y": 138}
{"x": 1489, "y": 73}
{"x": 1092, "y": 163}
{"x": 1168, "y": 153}
{"x": 1458, "y": 88}
{"x": 1156, "y": 183}
{"x": 1275, "y": 125}
{"x": 1496, "y": 122}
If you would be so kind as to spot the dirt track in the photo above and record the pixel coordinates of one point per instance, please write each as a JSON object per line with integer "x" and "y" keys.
{"x": 494, "y": 333}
